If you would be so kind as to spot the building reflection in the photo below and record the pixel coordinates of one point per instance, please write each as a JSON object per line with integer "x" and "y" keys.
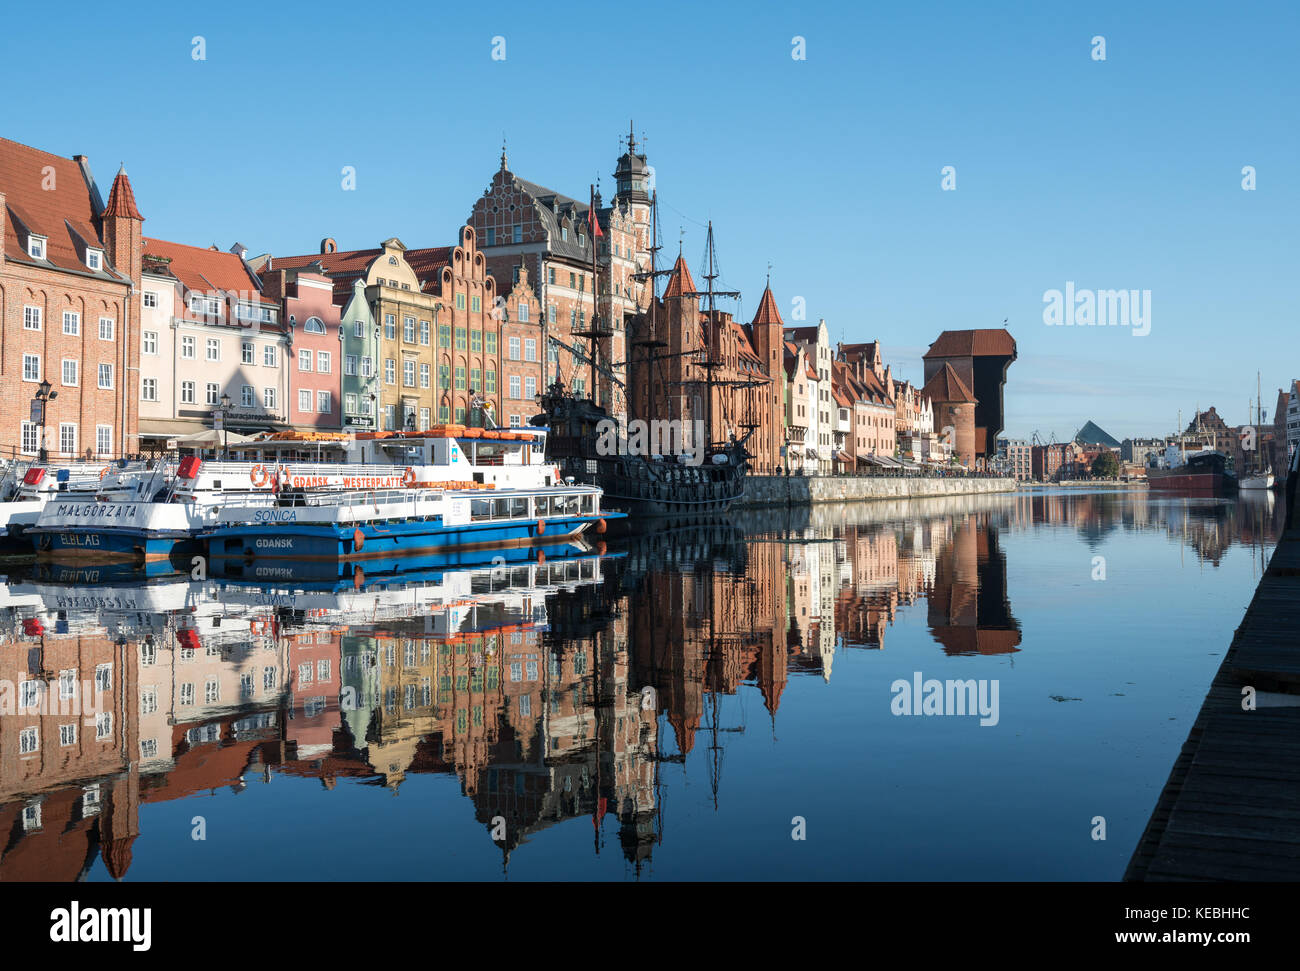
{"x": 552, "y": 691}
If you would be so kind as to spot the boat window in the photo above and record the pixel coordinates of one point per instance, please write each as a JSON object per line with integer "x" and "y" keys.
{"x": 499, "y": 509}
{"x": 589, "y": 504}
{"x": 518, "y": 507}
{"x": 480, "y": 509}
{"x": 543, "y": 505}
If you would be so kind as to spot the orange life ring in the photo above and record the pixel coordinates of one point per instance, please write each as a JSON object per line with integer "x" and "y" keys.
{"x": 600, "y": 525}
{"x": 258, "y": 476}
{"x": 541, "y": 526}
{"x": 408, "y": 477}
{"x": 103, "y": 472}
{"x": 257, "y": 628}
{"x": 358, "y": 539}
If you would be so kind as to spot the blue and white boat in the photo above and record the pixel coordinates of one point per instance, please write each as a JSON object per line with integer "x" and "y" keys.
{"x": 352, "y": 528}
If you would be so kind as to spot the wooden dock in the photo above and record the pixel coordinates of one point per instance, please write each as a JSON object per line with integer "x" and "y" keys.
{"x": 1231, "y": 807}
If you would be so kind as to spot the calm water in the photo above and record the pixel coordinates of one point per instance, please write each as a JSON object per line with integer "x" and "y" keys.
{"x": 663, "y": 711}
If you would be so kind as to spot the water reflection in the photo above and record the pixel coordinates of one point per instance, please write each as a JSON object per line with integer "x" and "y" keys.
{"x": 551, "y": 690}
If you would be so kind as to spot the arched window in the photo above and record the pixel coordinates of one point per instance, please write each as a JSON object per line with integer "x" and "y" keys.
{"x": 314, "y": 325}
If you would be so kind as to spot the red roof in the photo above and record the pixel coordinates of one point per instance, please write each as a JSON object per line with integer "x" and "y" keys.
{"x": 48, "y": 195}
{"x": 947, "y": 386}
{"x": 121, "y": 199}
{"x": 767, "y": 310}
{"x": 345, "y": 267}
{"x": 681, "y": 281}
{"x": 206, "y": 270}
{"x": 992, "y": 342}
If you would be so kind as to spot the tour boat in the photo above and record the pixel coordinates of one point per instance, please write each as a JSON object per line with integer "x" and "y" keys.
{"x": 350, "y": 528}
{"x": 28, "y": 488}
{"x": 173, "y": 507}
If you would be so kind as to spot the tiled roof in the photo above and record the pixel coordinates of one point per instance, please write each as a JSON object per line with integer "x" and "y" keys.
{"x": 121, "y": 199}
{"x": 768, "y": 313}
{"x": 206, "y": 270}
{"x": 947, "y": 386}
{"x": 47, "y": 195}
{"x": 680, "y": 282}
{"x": 991, "y": 341}
{"x": 345, "y": 267}
{"x": 801, "y": 335}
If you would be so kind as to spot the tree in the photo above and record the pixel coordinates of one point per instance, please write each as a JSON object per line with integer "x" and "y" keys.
{"x": 1105, "y": 466}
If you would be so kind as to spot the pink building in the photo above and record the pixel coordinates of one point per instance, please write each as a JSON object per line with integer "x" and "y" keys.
{"x": 315, "y": 362}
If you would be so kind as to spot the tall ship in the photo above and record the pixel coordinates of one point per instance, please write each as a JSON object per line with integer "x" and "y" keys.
{"x": 692, "y": 475}
{"x": 1259, "y": 477}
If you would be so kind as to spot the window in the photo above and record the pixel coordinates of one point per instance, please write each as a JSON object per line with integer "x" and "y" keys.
{"x": 514, "y": 386}
{"x": 550, "y": 314}
{"x": 390, "y": 371}
{"x": 476, "y": 341}
{"x": 31, "y": 318}
{"x": 246, "y": 352}
{"x": 424, "y": 419}
{"x": 460, "y": 377}
{"x": 515, "y": 422}
{"x": 71, "y": 323}
{"x": 389, "y": 419}
{"x": 213, "y": 394}
{"x": 324, "y": 402}
{"x": 106, "y": 375}
{"x": 490, "y": 385}
{"x": 367, "y": 367}
{"x": 269, "y": 357}
{"x": 573, "y": 281}
{"x": 103, "y": 725}
{"x": 323, "y": 362}
{"x": 444, "y": 376}
{"x": 148, "y": 701}
{"x": 68, "y": 734}
{"x": 350, "y": 365}
{"x": 36, "y": 247}
{"x": 104, "y": 439}
{"x": 214, "y": 349}
{"x": 149, "y": 342}
{"x": 31, "y": 367}
{"x": 408, "y": 329}
{"x": 514, "y": 348}
{"x": 460, "y": 301}
{"x": 304, "y": 400}
{"x": 390, "y": 327}
{"x": 530, "y": 387}
{"x": 150, "y": 299}
{"x": 460, "y": 338}
{"x": 523, "y": 312}
{"x": 247, "y": 397}
{"x": 460, "y": 414}
{"x": 408, "y": 373}
{"x": 104, "y": 677}
{"x": 106, "y": 328}
{"x": 491, "y": 236}
{"x": 476, "y": 304}
{"x": 424, "y": 375}
{"x": 94, "y": 259}
{"x": 187, "y": 348}
{"x": 29, "y": 741}
{"x": 268, "y": 398}
{"x": 314, "y": 325}
{"x": 444, "y": 414}
{"x": 491, "y": 343}
{"x": 350, "y": 403}
{"x": 187, "y": 392}
{"x": 149, "y": 389}
{"x": 69, "y": 372}
{"x": 550, "y": 275}
{"x": 530, "y": 349}
{"x": 518, "y": 233}
{"x": 444, "y": 335}
{"x": 475, "y": 379}
{"x": 304, "y": 360}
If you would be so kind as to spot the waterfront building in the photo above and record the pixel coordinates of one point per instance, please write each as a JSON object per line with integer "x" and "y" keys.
{"x": 360, "y": 346}
{"x": 69, "y": 314}
{"x": 526, "y": 226}
{"x": 206, "y": 330}
{"x": 980, "y": 359}
{"x": 800, "y": 412}
{"x": 1016, "y": 458}
{"x": 1138, "y": 451}
{"x": 314, "y": 369}
{"x": 816, "y": 343}
{"x": 1292, "y": 436}
{"x": 954, "y": 413}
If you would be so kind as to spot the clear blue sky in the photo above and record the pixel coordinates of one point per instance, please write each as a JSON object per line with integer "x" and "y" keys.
{"x": 1117, "y": 174}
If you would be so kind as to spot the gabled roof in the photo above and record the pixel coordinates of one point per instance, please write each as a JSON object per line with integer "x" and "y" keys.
{"x": 206, "y": 270}
{"x": 947, "y": 386}
{"x": 347, "y": 266}
{"x": 768, "y": 312}
{"x": 801, "y": 335}
{"x": 681, "y": 280}
{"x": 990, "y": 341}
{"x": 48, "y": 195}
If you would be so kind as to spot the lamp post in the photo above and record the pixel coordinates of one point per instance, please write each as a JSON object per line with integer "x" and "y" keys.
{"x": 225, "y": 431}
{"x": 43, "y": 397}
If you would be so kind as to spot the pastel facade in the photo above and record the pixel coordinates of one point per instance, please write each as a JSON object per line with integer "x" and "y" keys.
{"x": 314, "y": 363}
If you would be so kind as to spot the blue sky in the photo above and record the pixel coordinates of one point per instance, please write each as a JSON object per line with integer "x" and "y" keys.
{"x": 1115, "y": 174}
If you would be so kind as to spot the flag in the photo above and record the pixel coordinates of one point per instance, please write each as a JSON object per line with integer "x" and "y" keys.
{"x": 595, "y": 224}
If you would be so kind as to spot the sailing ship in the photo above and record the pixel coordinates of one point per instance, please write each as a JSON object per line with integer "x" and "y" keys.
{"x": 1259, "y": 477}
{"x": 587, "y": 445}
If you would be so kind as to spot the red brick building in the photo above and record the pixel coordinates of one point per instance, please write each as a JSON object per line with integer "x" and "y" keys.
{"x": 69, "y": 278}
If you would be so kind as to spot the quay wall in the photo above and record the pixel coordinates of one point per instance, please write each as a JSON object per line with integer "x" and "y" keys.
{"x": 794, "y": 490}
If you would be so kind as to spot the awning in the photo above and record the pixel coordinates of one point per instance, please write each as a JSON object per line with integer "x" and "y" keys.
{"x": 213, "y": 438}
{"x": 812, "y": 453}
{"x": 844, "y": 457}
{"x": 168, "y": 428}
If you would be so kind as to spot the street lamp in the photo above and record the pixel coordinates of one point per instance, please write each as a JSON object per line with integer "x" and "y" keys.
{"x": 225, "y": 430}
{"x": 43, "y": 396}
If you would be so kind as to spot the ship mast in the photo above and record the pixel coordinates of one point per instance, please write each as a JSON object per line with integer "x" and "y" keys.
{"x": 710, "y": 363}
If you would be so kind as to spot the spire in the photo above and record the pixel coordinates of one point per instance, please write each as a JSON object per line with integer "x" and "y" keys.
{"x": 631, "y": 138}
{"x": 121, "y": 199}
{"x": 768, "y": 312}
{"x": 503, "y": 153}
{"x": 681, "y": 281}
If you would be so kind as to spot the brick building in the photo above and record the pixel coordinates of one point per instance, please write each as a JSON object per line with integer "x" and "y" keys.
{"x": 980, "y": 359}
{"x": 69, "y": 271}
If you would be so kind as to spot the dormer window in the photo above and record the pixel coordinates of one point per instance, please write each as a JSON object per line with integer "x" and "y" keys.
{"x": 36, "y": 247}
{"x": 94, "y": 259}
